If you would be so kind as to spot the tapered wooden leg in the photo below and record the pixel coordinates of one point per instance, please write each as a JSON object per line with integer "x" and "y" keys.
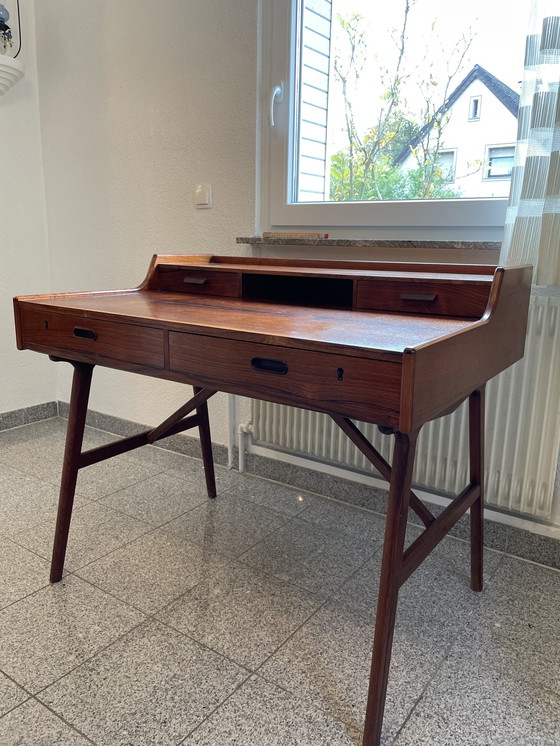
{"x": 81, "y": 384}
{"x": 476, "y": 452}
{"x": 395, "y": 529}
{"x": 206, "y": 446}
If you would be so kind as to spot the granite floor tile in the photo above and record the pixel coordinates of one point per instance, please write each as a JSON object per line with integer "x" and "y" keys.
{"x": 241, "y": 613}
{"x": 261, "y": 713}
{"x": 523, "y": 606}
{"x": 516, "y": 626}
{"x": 26, "y": 501}
{"x": 158, "y": 499}
{"x": 153, "y": 686}
{"x": 349, "y": 491}
{"x": 107, "y": 477}
{"x": 32, "y": 434}
{"x": 348, "y": 519}
{"x": 47, "y": 634}
{"x": 327, "y": 663}
{"x": 46, "y": 466}
{"x": 268, "y": 579}
{"x": 542, "y": 549}
{"x": 95, "y": 530}
{"x": 516, "y": 660}
{"x": 152, "y": 570}
{"x": 273, "y": 495}
{"x": 156, "y": 456}
{"x": 32, "y": 724}
{"x": 11, "y": 695}
{"x": 437, "y": 592}
{"x": 471, "y": 702}
{"x": 496, "y": 535}
{"x": 40, "y": 454}
{"x": 21, "y": 572}
{"x": 534, "y": 579}
{"x": 191, "y": 471}
{"x": 309, "y": 555}
{"x": 165, "y": 459}
{"x": 226, "y": 524}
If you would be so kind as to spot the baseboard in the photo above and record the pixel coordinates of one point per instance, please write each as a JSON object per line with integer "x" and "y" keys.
{"x": 27, "y": 415}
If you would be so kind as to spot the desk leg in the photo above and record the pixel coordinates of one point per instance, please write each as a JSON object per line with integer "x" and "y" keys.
{"x": 476, "y": 453}
{"x": 81, "y": 384}
{"x": 206, "y": 446}
{"x": 395, "y": 529}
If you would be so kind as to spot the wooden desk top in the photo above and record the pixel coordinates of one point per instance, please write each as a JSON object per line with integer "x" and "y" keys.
{"x": 358, "y": 332}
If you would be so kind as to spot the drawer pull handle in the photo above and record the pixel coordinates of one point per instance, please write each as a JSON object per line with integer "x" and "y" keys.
{"x": 85, "y": 333}
{"x": 195, "y": 280}
{"x": 266, "y": 365}
{"x": 419, "y": 296}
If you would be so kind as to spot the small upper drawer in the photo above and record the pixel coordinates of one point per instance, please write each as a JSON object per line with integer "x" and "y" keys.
{"x": 440, "y": 298}
{"x": 109, "y": 340}
{"x": 192, "y": 280}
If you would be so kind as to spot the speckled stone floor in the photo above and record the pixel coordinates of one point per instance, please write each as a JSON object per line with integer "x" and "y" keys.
{"x": 248, "y": 620}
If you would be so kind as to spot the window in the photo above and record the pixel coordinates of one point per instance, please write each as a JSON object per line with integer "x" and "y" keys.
{"x": 474, "y": 108}
{"x": 446, "y": 159}
{"x": 499, "y": 162}
{"x": 349, "y": 148}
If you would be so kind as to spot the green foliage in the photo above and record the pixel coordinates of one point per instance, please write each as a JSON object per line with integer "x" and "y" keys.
{"x": 351, "y": 181}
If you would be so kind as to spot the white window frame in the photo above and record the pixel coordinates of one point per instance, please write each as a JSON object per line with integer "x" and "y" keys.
{"x": 277, "y": 18}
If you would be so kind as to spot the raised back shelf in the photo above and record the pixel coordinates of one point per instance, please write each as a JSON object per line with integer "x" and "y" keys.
{"x": 456, "y": 290}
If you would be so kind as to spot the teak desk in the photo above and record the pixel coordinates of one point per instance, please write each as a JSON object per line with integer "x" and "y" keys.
{"x": 392, "y": 344}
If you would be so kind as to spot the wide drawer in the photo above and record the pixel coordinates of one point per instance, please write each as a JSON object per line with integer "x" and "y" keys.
{"x": 201, "y": 281}
{"x": 439, "y": 298}
{"x": 329, "y": 382}
{"x": 110, "y": 340}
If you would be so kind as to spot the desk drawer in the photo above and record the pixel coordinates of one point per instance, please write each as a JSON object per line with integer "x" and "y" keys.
{"x": 439, "y": 298}
{"x": 107, "y": 339}
{"x": 328, "y": 382}
{"x": 200, "y": 281}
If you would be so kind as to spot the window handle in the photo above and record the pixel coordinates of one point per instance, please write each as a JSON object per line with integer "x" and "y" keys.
{"x": 276, "y": 95}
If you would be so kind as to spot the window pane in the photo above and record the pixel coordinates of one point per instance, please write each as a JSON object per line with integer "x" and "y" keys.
{"x": 400, "y": 104}
{"x": 447, "y": 165}
{"x": 500, "y": 162}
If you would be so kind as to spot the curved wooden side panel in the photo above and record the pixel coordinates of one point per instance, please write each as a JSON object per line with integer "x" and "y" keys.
{"x": 439, "y": 374}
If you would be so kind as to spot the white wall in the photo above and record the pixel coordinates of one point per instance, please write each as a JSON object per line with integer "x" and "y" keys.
{"x": 139, "y": 102}
{"x": 27, "y": 379}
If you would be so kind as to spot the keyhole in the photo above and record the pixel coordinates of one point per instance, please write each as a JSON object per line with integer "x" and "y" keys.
{"x": 46, "y": 323}
{"x": 339, "y": 374}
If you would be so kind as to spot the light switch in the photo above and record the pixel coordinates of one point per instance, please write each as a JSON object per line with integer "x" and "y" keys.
{"x": 203, "y": 196}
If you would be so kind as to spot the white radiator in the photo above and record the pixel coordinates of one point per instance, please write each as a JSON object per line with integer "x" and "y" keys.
{"x": 522, "y": 429}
